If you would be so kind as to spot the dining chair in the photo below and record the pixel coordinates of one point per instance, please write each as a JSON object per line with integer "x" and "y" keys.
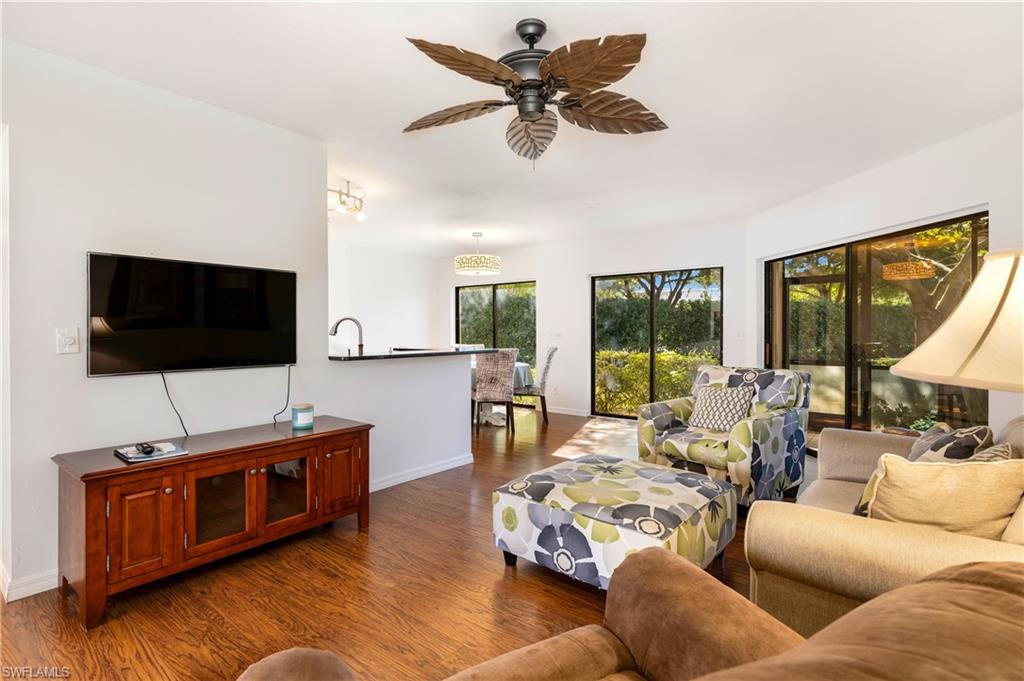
{"x": 494, "y": 377}
{"x": 539, "y": 389}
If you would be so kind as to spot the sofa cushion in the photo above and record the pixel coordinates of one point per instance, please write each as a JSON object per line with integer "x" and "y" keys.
{"x": 963, "y": 623}
{"x": 1013, "y": 435}
{"x": 835, "y": 495}
{"x": 699, "y": 445}
{"x": 943, "y": 443}
{"x": 1014, "y": 532}
{"x": 975, "y": 498}
{"x": 719, "y": 409}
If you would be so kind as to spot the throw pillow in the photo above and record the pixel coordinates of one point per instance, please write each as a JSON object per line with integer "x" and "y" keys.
{"x": 717, "y": 408}
{"x": 942, "y": 443}
{"x": 925, "y": 439}
{"x": 1000, "y": 452}
{"x": 975, "y": 498}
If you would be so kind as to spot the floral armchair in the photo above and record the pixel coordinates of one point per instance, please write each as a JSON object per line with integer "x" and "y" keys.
{"x": 763, "y": 455}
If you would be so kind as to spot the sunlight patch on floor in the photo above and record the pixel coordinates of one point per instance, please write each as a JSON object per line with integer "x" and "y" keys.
{"x": 611, "y": 437}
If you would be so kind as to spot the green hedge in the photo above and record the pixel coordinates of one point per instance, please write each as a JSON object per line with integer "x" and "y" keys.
{"x": 817, "y": 329}
{"x": 621, "y": 379}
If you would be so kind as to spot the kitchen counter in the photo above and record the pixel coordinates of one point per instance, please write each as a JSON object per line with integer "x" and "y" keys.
{"x": 407, "y": 353}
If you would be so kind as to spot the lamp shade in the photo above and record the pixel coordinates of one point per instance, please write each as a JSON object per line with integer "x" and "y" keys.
{"x": 980, "y": 345}
{"x": 477, "y": 264}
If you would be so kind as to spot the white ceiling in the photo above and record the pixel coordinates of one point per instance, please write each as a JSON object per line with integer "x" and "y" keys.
{"x": 763, "y": 101}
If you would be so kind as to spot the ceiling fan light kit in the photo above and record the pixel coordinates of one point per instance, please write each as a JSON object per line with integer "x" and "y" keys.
{"x": 570, "y": 79}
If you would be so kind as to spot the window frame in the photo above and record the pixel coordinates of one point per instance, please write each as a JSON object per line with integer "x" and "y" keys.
{"x": 494, "y": 308}
{"x": 849, "y": 279}
{"x": 653, "y": 330}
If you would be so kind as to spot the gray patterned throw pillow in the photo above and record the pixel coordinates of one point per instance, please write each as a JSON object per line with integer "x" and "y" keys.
{"x": 942, "y": 443}
{"x": 720, "y": 409}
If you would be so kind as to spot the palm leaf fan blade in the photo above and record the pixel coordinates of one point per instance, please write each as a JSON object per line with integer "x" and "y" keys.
{"x": 455, "y": 114}
{"x": 531, "y": 139}
{"x": 610, "y": 112}
{"x": 471, "y": 64}
{"x": 589, "y": 65}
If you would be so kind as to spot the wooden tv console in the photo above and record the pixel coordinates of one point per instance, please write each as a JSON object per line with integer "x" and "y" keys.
{"x": 124, "y": 525}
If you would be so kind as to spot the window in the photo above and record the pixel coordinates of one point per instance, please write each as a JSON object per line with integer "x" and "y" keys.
{"x": 848, "y": 313}
{"x": 499, "y": 316}
{"x": 650, "y": 332}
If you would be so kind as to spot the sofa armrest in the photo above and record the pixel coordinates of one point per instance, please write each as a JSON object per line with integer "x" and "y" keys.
{"x": 852, "y": 556}
{"x": 656, "y": 418}
{"x": 583, "y": 654}
{"x": 853, "y": 455}
{"x": 679, "y": 622}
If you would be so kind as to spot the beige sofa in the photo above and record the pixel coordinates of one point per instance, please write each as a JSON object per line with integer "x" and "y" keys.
{"x": 813, "y": 561}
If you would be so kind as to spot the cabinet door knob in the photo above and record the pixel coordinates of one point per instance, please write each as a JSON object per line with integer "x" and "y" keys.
{"x": 263, "y": 470}
{"x": 252, "y": 471}
{"x": 168, "y": 490}
{"x": 327, "y": 455}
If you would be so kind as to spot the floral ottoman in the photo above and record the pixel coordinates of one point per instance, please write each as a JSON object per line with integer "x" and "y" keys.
{"x": 582, "y": 517}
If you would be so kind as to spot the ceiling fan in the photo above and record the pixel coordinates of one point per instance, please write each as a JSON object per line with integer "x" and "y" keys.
{"x": 570, "y": 79}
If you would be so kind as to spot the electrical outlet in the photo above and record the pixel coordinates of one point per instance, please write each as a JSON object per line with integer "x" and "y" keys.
{"x": 67, "y": 340}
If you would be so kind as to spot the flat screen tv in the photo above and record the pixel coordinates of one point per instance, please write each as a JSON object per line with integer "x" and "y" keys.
{"x": 151, "y": 315}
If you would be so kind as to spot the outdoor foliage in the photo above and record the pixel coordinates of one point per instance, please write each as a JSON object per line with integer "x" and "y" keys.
{"x": 516, "y": 317}
{"x": 817, "y": 330}
{"x": 621, "y": 378}
{"x": 687, "y": 324}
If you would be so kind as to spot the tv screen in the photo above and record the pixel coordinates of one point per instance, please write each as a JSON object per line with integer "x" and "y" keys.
{"x": 150, "y": 315}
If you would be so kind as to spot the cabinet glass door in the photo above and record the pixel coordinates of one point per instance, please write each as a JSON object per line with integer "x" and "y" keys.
{"x": 287, "y": 488}
{"x": 221, "y": 507}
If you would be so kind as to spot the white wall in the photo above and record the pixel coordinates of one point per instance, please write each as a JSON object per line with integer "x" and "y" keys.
{"x": 979, "y": 169}
{"x": 563, "y": 270}
{"x": 389, "y": 292}
{"x": 99, "y": 162}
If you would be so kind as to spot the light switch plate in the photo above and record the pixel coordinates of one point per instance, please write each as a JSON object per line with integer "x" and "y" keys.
{"x": 67, "y": 340}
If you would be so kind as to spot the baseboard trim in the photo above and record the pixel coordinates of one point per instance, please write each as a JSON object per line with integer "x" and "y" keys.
{"x": 5, "y": 581}
{"x": 568, "y": 411}
{"x": 383, "y": 482}
{"x": 29, "y": 585}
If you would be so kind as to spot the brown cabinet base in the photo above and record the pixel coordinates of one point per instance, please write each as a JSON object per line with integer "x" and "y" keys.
{"x": 122, "y": 526}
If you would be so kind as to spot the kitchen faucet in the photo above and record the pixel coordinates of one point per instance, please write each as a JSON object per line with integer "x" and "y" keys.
{"x": 359, "y": 328}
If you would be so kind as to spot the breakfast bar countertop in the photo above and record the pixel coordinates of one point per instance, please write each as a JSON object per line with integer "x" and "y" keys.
{"x": 406, "y": 353}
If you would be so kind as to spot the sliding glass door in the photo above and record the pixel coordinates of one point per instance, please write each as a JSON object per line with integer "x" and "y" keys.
{"x": 499, "y": 316}
{"x": 809, "y": 299}
{"x": 650, "y": 332}
{"x": 846, "y": 314}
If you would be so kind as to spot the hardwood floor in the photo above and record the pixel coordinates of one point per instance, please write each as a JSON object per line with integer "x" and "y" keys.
{"x": 421, "y": 595}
